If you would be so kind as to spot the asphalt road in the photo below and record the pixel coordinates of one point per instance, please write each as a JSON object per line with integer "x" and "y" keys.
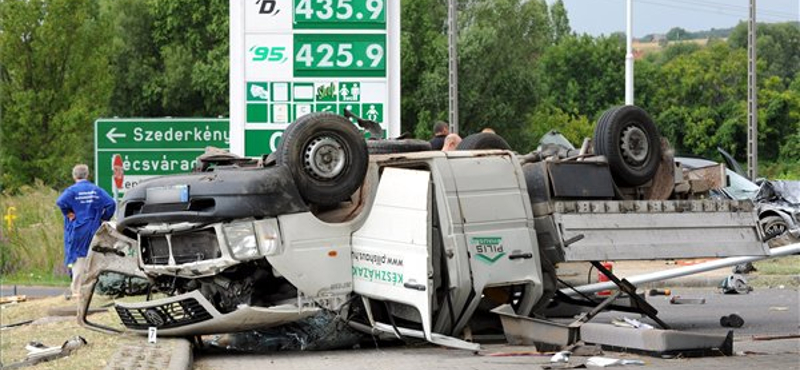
{"x": 765, "y": 312}
{"x": 32, "y": 291}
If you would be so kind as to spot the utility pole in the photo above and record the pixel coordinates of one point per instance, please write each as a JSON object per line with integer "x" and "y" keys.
{"x": 752, "y": 97}
{"x": 452, "y": 53}
{"x": 629, "y": 56}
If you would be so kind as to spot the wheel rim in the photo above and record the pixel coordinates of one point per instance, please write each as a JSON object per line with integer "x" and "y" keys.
{"x": 324, "y": 157}
{"x": 775, "y": 229}
{"x": 634, "y": 145}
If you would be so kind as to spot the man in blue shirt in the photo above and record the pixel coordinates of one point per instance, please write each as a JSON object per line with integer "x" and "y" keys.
{"x": 85, "y": 206}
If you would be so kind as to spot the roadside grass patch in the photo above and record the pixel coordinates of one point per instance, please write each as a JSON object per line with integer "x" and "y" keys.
{"x": 780, "y": 266}
{"x": 92, "y": 356}
{"x": 32, "y": 249}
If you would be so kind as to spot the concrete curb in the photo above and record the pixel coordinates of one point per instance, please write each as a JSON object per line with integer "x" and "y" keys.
{"x": 166, "y": 354}
{"x": 182, "y": 358}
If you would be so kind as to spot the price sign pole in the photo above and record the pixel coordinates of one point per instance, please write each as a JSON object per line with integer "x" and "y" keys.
{"x": 293, "y": 57}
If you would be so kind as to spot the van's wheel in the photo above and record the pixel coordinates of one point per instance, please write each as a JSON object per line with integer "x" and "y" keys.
{"x": 630, "y": 141}
{"x": 483, "y": 140}
{"x": 397, "y": 146}
{"x": 774, "y": 226}
{"x": 326, "y": 155}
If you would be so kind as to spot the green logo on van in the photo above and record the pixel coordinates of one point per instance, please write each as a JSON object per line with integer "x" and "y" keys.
{"x": 489, "y": 248}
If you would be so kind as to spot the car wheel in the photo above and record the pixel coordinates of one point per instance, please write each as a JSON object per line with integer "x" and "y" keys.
{"x": 774, "y": 226}
{"x": 326, "y": 155}
{"x": 483, "y": 140}
{"x": 630, "y": 141}
{"x": 397, "y": 146}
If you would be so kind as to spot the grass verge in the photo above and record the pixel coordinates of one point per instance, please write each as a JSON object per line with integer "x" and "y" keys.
{"x": 53, "y": 333}
{"x": 33, "y": 241}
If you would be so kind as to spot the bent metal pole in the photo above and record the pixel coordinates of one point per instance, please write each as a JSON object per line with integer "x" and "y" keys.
{"x": 684, "y": 271}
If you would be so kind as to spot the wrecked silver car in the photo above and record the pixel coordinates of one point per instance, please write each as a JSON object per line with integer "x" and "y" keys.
{"x": 777, "y": 201}
{"x": 408, "y": 243}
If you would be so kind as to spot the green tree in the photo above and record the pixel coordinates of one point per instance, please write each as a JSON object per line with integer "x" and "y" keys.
{"x": 136, "y": 60}
{"x": 677, "y": 34}
{"x": 193, "y": 43}
{"x": 423, "y": 61}
{"x": 55, "y": 78}
{"x": 500, "y": 43}
{"x": 559, "y": 21}
{"x": 778, "y": 45}
{"x": 584, "y": 75}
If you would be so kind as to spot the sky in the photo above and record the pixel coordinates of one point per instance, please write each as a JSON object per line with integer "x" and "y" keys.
{"x": 597, "y": 17}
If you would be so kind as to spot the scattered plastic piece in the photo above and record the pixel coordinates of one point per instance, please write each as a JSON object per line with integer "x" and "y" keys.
{"x": 735, "y": 284}
{"x": 775, "y": 337}
{"x": 654, "y": 292}
{"x": 517, "y": 354}
{"x": 680, "y": 300}
{"x": 631, "y": 323}
{"x": 731, "y": 321}
{"x": 606, "y": 362}
{"x": 779, "y": 308}
{"x": 562, "y": 356}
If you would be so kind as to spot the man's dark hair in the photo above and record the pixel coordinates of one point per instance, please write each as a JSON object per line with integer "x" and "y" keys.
{"x": 440, "y": 127}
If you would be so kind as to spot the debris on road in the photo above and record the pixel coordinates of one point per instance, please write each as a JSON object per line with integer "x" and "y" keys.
{"x": 38, "y": 352}
{"x": 15, "y": 324}
{"x": 680, "y": 300}
{"x": 657, "y": 342}
{"x": 778, "y": 308}
{"x": 518, "y": 354}
{"x": 775, "y": 337}
{"x": 607, "y": 361}
{"x": 655, "y": 292}
{"x": 735, "y": 284}
{"x": 731, "y": 321}
{"x": 13, "y": 299}
{"x": 324, "y": 331}
{"x": 631, "y": 323}
{"x": 562, "y": 356}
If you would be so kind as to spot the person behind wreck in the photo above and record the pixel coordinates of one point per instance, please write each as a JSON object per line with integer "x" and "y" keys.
{"x": 84, "y": 206}
{"x": 451, "y": 142}
{"x": 440, "y": 132}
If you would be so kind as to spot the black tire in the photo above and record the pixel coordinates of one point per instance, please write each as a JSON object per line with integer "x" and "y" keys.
{"x": 774, "y": 226}
{"x": 598, "y": 129}
{"x": 483, "y": 140}
{"x": 397, "y": 146}
{"x": 630, "y": 141}
{"x": 326, "y": 155}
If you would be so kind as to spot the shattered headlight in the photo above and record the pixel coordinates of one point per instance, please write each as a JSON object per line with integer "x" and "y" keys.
{"x": 268, "y": 236}
{"x": 241, "y": 240}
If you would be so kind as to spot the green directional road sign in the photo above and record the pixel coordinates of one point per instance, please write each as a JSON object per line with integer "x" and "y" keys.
{"x": 152, "y": 147}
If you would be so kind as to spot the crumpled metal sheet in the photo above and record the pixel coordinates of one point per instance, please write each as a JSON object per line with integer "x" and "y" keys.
{"x": 324, "y": 331}
{"x": 788, "y": 191}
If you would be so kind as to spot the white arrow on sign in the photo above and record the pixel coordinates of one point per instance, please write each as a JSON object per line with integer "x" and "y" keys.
{"x": 112, "y": 135}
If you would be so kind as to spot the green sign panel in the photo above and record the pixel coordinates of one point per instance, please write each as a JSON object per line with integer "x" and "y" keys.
{"x": 339, "y": 14}
{"x": 291, "y": 58}
{"x": 152, "y": 147}
{"x": 334, "y": 55}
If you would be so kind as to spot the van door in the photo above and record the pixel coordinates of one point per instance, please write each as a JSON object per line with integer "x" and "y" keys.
{"x": 392, "y": 253}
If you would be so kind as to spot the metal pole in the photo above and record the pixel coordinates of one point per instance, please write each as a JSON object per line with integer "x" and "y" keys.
{"x": 629, "y": 56}
{"x": 685, "y": 271}
{"x": 452, "y": 53}
{"x": 752, "y": 96}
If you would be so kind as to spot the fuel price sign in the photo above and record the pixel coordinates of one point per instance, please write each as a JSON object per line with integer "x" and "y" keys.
{"x": 293, "y": 57}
